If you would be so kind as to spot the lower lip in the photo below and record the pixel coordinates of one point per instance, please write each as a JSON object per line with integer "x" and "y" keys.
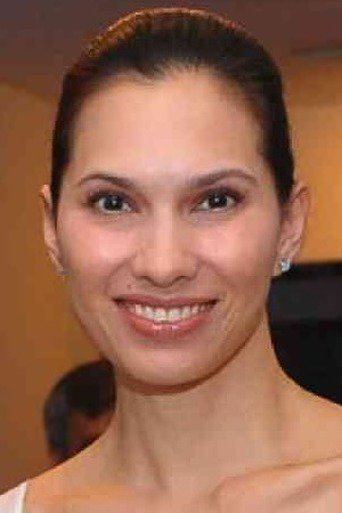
{"x": 164, "y": 332}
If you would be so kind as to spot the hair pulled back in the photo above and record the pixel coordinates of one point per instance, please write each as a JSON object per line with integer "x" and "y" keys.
{"x": 152, "y": 43}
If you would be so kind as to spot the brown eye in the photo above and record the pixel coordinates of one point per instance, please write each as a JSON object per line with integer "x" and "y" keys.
{"x": 219, "y": 200}
{"x": 110, "y": 203}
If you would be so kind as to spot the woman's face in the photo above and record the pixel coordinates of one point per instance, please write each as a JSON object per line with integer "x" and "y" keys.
{"x": 167, "y": 197}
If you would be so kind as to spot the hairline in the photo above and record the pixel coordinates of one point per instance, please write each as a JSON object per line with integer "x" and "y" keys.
{"x": 169, "y": 69}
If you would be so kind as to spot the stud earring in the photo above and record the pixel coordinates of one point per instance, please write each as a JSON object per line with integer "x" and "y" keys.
{"x": 62, "y": 272}
{"x": 285, "y": 265}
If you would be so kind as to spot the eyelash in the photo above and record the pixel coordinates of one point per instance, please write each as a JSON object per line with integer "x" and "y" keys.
{"x": 94, "y": 198}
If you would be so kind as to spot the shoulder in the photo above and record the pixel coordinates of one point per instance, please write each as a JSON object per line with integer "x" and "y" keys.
{"x": 315, "y": 487}
{"x": 70, "y": 485}
{"x": 13, "y": 500}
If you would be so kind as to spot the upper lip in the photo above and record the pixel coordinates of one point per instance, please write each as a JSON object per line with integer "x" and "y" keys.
{"x": 164, "y": 302}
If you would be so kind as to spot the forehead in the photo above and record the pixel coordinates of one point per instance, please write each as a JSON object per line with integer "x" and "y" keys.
{"x": 185, "y": 121}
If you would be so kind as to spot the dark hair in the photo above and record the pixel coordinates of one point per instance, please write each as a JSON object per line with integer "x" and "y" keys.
{"x": 152, "y": 42}
{"x": 88, "y": 389}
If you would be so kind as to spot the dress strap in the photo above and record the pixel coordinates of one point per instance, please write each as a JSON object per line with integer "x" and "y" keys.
{"x": 13, "y": 501}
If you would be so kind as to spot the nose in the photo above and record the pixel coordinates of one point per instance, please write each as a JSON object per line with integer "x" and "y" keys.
{"x": 164, "y": 256}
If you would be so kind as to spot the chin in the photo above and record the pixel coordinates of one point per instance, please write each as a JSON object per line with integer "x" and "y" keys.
{"x": 162, "y": 384}
{"x": 166, "y": 374}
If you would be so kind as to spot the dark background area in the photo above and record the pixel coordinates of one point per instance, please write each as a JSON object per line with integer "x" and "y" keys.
{"x": 306, "y": 321}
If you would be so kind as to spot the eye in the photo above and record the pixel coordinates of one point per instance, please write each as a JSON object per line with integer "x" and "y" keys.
{"x": 221, "y": 199}
{"x": 109, "y": 203}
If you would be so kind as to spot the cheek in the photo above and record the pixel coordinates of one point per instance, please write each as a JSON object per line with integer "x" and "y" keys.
{"x": 243, "y": 255}
{"x": 92, "y": 252}
{"x": 244, "y": 250}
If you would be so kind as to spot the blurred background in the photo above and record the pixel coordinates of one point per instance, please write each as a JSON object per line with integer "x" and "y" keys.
{"x": 39, "y": 338}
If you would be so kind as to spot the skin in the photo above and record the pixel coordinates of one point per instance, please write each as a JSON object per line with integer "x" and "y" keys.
{"x": 210, "y": 423}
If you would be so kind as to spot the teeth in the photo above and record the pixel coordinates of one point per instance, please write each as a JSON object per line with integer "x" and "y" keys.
{"x": 160, "y": 315}
{"x": 175, "y": 314}
{"x": 163, "y": 315}
{"x": 186, "y": 312}
{"x": 148, "y": 312}
{"x": 139, "y": 309}
{"x": 194, "y": 310}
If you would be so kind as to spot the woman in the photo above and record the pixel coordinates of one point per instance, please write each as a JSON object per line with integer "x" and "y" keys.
{"x": 172, "y": 206}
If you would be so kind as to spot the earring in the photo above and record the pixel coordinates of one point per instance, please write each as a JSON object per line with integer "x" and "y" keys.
{"x": 285, "y": 265}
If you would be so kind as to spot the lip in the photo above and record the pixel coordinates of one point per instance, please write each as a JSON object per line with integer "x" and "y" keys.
{"x": 167, "y": 331}
{"x": 154, "y": 301}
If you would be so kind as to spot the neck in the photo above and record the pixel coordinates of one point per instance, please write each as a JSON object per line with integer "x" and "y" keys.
{"x": 230, "y": 424}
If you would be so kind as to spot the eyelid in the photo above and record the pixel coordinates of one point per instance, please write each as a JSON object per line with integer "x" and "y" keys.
{"x": 236, "y": 195}
{"x": 99, "y": 193}
{"x": 104, "y": 188}
{"x": 223, "y": 189}
{"x": 96, "y": 195}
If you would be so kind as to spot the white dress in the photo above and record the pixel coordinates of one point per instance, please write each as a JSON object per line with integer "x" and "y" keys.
{"x": 13, "y": 500}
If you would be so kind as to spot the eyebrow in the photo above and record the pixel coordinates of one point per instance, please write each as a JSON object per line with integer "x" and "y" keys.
{"x": 193, "y": 182}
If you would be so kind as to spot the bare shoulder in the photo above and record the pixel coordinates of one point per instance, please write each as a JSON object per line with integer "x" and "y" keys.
{"x": 87, "y": 498}
{"x": 306, "y": 488}
{"x": 309, "y": 479}
{"x": 48, "y": 491}
{"x": 82, "y": 485}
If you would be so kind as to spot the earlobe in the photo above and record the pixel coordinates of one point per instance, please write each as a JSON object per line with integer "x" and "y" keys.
{"x": 49, "y": 231}
{"x": 293, "y": 224}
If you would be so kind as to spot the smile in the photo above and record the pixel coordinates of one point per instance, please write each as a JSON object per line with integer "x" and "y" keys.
{"x": 162, "y": 323}
{"x": 164, "y": 315}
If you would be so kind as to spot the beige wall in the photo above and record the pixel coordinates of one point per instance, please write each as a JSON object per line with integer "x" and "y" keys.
{"x": 39, "y": 339}
{"x": 314, "y": 92}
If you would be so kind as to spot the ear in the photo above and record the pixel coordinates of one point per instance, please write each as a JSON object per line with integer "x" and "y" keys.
{"x": 293, "y": 223}
{"x": 49, "y": 231}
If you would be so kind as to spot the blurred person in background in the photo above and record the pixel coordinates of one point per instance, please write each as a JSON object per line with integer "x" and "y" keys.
{"x": 78, "y": 409}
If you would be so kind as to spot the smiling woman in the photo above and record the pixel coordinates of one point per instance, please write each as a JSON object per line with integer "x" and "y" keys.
{"x": 172, "y": 205}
